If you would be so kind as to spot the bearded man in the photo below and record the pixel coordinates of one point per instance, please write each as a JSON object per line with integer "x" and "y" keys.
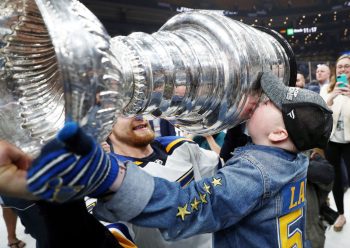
{"x": 171, "y": 157}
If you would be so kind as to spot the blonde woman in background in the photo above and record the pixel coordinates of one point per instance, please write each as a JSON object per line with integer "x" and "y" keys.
{"x": 338, "y": 100}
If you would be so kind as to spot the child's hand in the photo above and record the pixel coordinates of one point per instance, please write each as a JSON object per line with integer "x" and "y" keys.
{"x": 70, "y": 167}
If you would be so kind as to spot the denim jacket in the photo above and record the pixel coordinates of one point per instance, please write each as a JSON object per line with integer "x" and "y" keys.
{"x": 256, "y": 200}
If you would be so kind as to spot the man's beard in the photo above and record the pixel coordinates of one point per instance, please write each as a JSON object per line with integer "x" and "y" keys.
{"x": 135, "y": 140}
{"x": 142, "y": 141}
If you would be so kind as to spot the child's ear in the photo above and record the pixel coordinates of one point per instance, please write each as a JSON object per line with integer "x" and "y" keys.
{"x": 279, "y": 134}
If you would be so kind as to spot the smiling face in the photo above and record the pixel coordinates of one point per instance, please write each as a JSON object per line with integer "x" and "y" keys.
{"x": 343, "y": 66}
{"x": 132, "y": 131}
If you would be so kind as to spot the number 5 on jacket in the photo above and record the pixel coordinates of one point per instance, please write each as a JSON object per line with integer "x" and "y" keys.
{"x": 289, "y": 231}
{"x": 292, "y": 219}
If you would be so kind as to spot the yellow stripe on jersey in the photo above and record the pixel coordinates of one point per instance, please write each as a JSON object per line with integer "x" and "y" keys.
{"x": 123, "y": 241}
{"x": 175, "y": 142}
{"x": 187, "y": 183}
{"x": 186, "y": 178}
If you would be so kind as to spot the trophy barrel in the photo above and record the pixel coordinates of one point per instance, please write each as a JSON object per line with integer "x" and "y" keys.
{"x": 201, "y": 69}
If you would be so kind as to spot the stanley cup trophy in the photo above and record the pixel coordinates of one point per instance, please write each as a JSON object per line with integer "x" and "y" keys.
{"x": 57, "y": 64}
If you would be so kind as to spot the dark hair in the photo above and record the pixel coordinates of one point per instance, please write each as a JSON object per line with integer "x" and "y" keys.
{"x": 300, "y": 72}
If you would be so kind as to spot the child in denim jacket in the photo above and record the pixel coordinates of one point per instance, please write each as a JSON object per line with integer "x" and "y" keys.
{"x": 256, "y": 200}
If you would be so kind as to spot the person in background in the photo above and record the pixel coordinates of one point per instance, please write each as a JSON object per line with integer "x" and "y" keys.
{"x": 211, "y": 142}
{"x": 320, "y": 177}
{"x": 300, "y": 80}
{"x": 338, "y": 100}
{"x": 323, "y": 74}
{"x": 10, "y": 219}
{"x": 14, "y": 164}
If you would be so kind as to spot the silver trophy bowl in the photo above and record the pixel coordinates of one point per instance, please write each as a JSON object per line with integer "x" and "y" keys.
{"x": 58, "y": 64}
{"x": 55, "y": 66}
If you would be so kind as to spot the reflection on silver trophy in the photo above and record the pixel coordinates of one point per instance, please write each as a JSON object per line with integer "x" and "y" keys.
{"x": 57, "y": 64}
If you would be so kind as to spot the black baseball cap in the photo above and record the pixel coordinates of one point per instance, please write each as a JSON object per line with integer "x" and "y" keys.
{"x": 307, "y": 118}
